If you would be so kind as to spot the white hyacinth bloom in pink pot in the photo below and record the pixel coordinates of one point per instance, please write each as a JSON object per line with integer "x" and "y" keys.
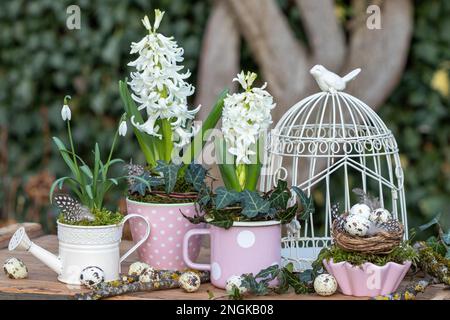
{"x": 244, "y": 224}
{"x": 169, "y": 184}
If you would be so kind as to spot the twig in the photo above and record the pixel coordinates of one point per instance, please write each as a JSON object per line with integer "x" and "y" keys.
{"x": 163, "y": 279}
{"x": 408, "y": 293}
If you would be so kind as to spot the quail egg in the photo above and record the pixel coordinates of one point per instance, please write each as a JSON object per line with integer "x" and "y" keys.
{"x": 235, "y": 282}
{"x": 137, "y": 268}
{"x": 380, "y": 215}
{"x": 148, "y": 275}
{"x": 92, "y": 276}
{"x": 360, "y": 209}
{"x": 15, "y": 268}
{"x": 189, "y": 281}
{"x": 325, "y": 285}
{"x": 357, "y": 225}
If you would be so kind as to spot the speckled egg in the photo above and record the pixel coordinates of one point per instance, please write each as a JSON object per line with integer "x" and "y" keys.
{"x": 189, "y": 281}
{"x": 148, "y": 275}
{"x": 360, "y": 209}
{"x": 325, "y": 285}
{"x": 15, "y": 268}
{"x": 357, "y": 225}
{"x": 380, "y": 215}
{"x": 137, "y": 268}
{"x": 92, "y": 276}
{"x": 235, "y": 282}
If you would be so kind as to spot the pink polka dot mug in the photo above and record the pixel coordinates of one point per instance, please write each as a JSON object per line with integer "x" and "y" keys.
{"x": 163, "y": 248}
{"x": 247, "y": 247}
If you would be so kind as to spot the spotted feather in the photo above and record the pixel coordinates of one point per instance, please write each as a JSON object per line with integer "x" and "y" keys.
{"x": 72, "y": 210}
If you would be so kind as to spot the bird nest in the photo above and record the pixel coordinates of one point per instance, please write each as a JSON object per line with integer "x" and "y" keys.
{"x": 381, "y": 243}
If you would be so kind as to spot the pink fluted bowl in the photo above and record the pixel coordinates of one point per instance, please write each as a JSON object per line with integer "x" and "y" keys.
{"x": 367, "y": 280}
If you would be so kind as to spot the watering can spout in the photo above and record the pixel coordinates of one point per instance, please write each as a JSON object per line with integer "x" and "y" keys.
{"x": 21, "y": 241}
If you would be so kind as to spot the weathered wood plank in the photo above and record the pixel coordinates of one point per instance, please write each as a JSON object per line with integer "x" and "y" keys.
{"x": 34, "y": 230}
{"x": 42, "y": 283}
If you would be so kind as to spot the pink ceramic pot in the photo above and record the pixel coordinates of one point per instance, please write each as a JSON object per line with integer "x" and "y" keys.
{"x": 247, "y": 247}
{"x": 163, "y": 248}
{"x": 367, "y": 280}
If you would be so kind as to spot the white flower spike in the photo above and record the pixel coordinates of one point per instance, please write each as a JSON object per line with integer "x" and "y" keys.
{"x": 157, "y": 85}
{"x": 245, "y": 116}
{"x": 123, "y": 129}
{"x": 66, "y": 114}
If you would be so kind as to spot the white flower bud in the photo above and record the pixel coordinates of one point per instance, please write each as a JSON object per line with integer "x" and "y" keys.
{"x": 158, "y": 17}
{"x": 66, "y": 114}
{"x": 123, "y": 129}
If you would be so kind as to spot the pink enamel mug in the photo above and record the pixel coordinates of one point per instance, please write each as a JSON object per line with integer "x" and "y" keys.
{"x": 247, "y": 247}
{"x": 163, "y": 248}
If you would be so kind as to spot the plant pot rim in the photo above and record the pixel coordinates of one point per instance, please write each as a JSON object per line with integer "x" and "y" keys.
{"x": 348, "y": 264}
{"x": 154, "y": 204}
{"x": 256, "y": 223}
{"x": 108, "y": 226}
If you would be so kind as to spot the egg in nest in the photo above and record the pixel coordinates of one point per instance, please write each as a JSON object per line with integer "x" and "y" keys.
{"x": 360, "y": 209}
{"x": 380, "y": 215}
{"x": 15, "y": 268}
{"x": 357, "y": 225}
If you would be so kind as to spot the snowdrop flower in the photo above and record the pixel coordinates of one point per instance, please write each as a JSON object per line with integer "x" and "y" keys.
{"x": 123, "y": 128}
{"x": 66, "y": 114}
{"x": 245, "y": 116}
{"x": 158, "y": 85}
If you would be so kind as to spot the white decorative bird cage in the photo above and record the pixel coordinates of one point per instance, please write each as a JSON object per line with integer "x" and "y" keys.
{"x": 330, "y": 143}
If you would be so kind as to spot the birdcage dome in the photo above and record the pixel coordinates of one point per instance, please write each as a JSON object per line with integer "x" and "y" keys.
{"x": 327, "y": 144}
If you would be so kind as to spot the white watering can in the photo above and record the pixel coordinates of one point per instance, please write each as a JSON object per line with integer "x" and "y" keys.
{"x": 81, "y": 247}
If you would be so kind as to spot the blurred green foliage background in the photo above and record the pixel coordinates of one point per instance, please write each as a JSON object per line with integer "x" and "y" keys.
{"x": 41, "y": 61}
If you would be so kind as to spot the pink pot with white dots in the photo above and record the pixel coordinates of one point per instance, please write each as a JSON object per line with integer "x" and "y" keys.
{"x": 163, "y": 248}
{"x": 247, "y": 247}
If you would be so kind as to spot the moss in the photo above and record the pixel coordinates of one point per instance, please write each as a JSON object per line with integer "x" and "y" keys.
{"x": 103, "y": 217}
{"x": 399, "y": 255}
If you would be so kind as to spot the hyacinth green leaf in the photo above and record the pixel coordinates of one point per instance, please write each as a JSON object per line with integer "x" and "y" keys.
{"x": 226, "y": 166}
{"x": 254, "y": 204}
{"x": 146, "y": 142}
{"x": 194, "y": 148}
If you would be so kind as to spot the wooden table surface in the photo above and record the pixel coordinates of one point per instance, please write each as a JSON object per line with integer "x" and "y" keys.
{"x": 42, "y": 284}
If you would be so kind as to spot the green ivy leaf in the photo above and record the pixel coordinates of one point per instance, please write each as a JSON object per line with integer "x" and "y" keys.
{"x": 286, "y": 216}
{"x": 307, "y": 203}
{"x": 254, "y": 204}
{"x": 225, "y": 197}
{"x": 270, "y": 272}
{"x": 280, "y": 196}
{"x": 222, "y": 223}
{"x": 195, "y": 175}
{"x": 432, "y": 222}
{"x": 170, "y": 174}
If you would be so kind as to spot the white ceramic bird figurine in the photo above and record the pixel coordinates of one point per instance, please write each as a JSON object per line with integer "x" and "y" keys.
{"x": 330, "y": 81}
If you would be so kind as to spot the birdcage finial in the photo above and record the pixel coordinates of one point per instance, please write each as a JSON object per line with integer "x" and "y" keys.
{"x": 329, "y": 81}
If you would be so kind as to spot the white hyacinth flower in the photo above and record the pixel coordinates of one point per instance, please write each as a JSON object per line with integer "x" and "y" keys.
{"x": 123, "y": 128}
{"x": 158, "y": 86}
{"x": 245, "y": 116}
{"x": 66, "y": 114}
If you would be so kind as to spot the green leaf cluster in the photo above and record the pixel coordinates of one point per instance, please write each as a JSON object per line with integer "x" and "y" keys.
{"x": 223, "y": 207}
{"x": 170, "y": 183}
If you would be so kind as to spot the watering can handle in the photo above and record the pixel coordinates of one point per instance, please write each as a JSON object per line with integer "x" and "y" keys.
{"x": 144, "y": 238}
